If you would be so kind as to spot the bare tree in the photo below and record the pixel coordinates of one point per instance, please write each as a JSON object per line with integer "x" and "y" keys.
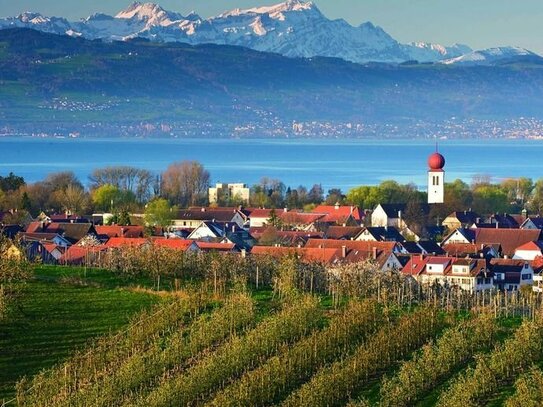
{"x": 185, "y": 183}
{"x": 125, "y": 178}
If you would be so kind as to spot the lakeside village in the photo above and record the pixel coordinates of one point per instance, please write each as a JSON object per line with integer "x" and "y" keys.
{"x": 472, "y": 251}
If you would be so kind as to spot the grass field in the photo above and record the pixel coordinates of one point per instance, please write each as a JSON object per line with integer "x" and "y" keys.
{"x": 60, "y": 311}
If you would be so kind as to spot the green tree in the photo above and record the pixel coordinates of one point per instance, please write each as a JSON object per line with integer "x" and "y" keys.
{"x": 159, "y": 213}
{"x": 108, "y": 198}
{"x": 536, "y": 201}
{"x": 25, "y": 202}
{"x": 11, "y": 183}
{"x": 490, "y": 198}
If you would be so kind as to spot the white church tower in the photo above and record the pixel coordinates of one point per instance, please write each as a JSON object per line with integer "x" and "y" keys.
{"x": 436, "y": 178}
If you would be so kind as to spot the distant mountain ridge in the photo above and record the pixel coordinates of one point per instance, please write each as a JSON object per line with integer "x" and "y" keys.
{"x": 294, "y": 28}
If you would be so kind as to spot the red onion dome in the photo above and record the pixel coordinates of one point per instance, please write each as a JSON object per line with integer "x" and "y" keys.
{"x": 436, "y": 161}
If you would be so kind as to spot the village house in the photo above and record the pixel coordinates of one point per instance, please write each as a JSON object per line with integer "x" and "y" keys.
{"x": 461, "y": 219}
{"x": 511, "y": 275}
{"x": 343, "y": 232}
{"x": 470, "y": 275}
{"x": 460, "y": 235}
{"x": 529, "y": 251}
{"x": 393, "y": 215}
{"x": 119, "y": 231}
{"x": 532, "y": 223}
{"x": 72, "y": 232}
{"x": 472, "y": 250}
{"x": 54, "y": 238}
{"x": 508, "y": 239}
{"x": 192, "y": 218}
{"x": 274, "y": 237}
{"x": 389, "y": 215}
{"x": 380, "y": 234}
{"x": 385, "y": 254}
{"x": 340, "y": 215}
{"x": 229, "y": 233}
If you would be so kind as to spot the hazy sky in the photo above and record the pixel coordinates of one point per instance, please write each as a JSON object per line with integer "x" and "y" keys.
{"x": 478, "y": 23}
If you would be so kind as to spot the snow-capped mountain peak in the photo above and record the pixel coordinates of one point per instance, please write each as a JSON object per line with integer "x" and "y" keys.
{"x": 489, "y": 56}
{"x": 293, "y": 28}
{"x": 151, "y": 13}
{"x": 30, "y": 17}
{"x": 276, "y": 11}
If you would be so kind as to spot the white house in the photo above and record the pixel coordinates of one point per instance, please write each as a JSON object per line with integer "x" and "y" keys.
{"x": 460, "y": 235}
{"x": 388, "y": 215}
{"x": 529, "y": 251}
{"x": 193, "y": 217}
{"x": 470, "y": 275}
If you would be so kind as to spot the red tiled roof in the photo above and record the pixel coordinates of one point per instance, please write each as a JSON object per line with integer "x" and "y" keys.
{"x": 210, "y": 246}
{"x": 537, "y": 264}
{"x": 299, "y": 218}
{"x": 340, "y": 212}
{"x": 509, "y": 239}
{"x": 262, "y": 213}
{"x": 351, "y": 244}
{"x": 461, "y": 249}
{"x": 177, "y": 244}
{"x": 120, "y": 231}
{"x": 533, "y": 246}
{"x": 34, "y": 227}
{"x": 415, "y": 265}
{"x": 257, "y": 232}
{"x": 125, "y": 241}
{"x": 50, "y": 247}
{"x": 329, "y": 255}
{"x": 76, "y": 254}
{"x": 343, "y": 232}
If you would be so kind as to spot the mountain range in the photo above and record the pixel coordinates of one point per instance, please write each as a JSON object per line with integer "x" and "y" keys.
{"x": 58, "y": 84}
{"x": 294, "y": 28}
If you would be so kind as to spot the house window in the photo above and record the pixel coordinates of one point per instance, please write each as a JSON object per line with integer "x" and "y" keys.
{"x": 526, "y": 276}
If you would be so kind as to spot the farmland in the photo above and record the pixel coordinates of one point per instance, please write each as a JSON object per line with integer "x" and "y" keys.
{"x": 93, "y": 337}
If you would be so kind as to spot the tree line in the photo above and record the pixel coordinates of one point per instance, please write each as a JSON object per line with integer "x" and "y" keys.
{"x": 124, "y": 189}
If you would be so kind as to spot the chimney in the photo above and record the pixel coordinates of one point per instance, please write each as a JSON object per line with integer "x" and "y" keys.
{"x": 233, "y": 228}
{"x": 203, "y": 209}
{"x": 374, "y": 253}
{"x": 243, "y": 253}
{"x": 343, "y": 251}
{"x": 336, "y": 206}
{"x": 285, "y": 210}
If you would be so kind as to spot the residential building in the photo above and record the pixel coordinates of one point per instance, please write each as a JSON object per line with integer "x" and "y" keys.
{"x": 229, "y": 192}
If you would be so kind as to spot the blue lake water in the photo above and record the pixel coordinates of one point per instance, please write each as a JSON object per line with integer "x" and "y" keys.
{"x": 333, "y": 163}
